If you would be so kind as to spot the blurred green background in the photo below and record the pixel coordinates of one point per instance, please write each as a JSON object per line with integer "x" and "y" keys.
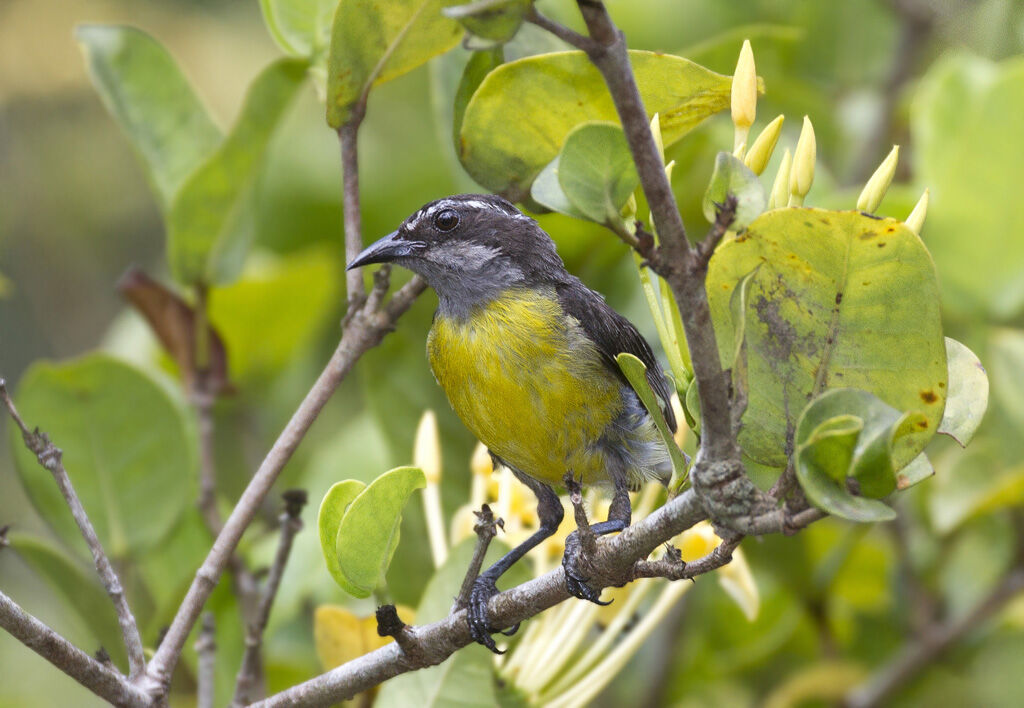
{"x": 75, "y": 212}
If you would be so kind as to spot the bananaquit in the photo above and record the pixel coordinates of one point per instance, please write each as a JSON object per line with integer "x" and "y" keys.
{"x": 526, "y": 355}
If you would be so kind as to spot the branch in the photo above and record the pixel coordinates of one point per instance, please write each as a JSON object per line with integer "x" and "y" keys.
{"x": 51, "y": 458}
{"x": 251, "y": 671}
{"x": 206, "y": 647}
{"x": 365, "y": 330}
{"x": 486, "y": 528}
{"x": 920, "y": 654}
{"x": 102, "y": 680}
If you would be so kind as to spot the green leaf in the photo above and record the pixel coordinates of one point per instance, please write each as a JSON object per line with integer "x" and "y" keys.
{"x": 519, "y": 118}
{"x": 467, "y": 678}
{"x": 977, "y": 483}
{"x": 1006, "y": 361}
{"x": 490, "y": 22}
{"x": 847, "y": 433}
{"x": 256, "y": 315}
{"x": 373, "y": 41}
{"x": 967, "y": 399}
{"x": 367, "y": 533}
{"x": 738, "y": 311}
{"x": 965, "y": 124}
{"x": 77, "y": 585}
{"x": 480, "y": 64}
{"x": 731, "y": 176}
{"x": 6, "y": 286}
{"x": 596, "y": 171}
{"x": 840, "y": 300}
{"x": 636, "y": 373}
{"x": 129, "y": 447}
{"x": 207, "y": 229}
{"x": 152, "y": 101}
{"x": 665, "y": 316}
{"x": 328, "y": 521}
{"x": 547, "y": 191}
{"x": 301, "y": 28}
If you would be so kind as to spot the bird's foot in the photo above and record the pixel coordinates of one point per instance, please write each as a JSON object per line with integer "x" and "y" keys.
{"x": 479, "y": 627}
{"x": 576, "y": 579}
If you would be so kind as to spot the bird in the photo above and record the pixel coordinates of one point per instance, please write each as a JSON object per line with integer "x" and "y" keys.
{"x": 525, "y": 353}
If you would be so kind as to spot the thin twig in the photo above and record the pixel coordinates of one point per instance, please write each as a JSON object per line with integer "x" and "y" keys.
{"x": 486, "y": 527}
{"x": 724, "y": 216}
{"x": 206, "y": 648}
{"x": 365, "y": 330}
{"x": 51, "y": 459}
{"x": 566, "y": 34}
{"x": 250, "y": 674}
{"x": 920, "y": 654}
{"x": 348, "y": 134}
{"x": 102, "y": 680}
{"x": 673, "y": 568}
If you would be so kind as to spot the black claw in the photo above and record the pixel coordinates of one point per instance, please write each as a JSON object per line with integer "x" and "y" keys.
{"x": 476, "y": 616}
{"x": 575, "y": 583}
{"x": 511, "y": 630}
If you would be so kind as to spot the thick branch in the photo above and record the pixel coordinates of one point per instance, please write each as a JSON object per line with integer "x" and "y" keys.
{"x": 250, "y": 674}
{"x": 51, "y": 458}
{"x": 920, "y": 654}
{"x": 365, "y": 330}
{"x": 102, "y": 680}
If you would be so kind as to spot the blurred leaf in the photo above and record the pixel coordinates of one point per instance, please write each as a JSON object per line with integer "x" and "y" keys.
{"x": 976, "y": 483}
{"x": 275, "y": 310}
{"x": 6, "y": 287}
{"x": 851, "y": 433}
{"x": 129, "y": 448}
{"x": 152, "y": 101}
{"x": 821, "y": 316}
{"x": 173, "y": 321}
{"x": 966, "y": 128}
{"x": 467, "y": 678}
{"x": 519, "y": 118}
{"x": 301, "y": 28}
{"x": 367, "y": 534}
{"x": 596, "y": 171}
{"x": 480, "y": 64}
{"x": 967, "y": 399}
{"x": 78, "y": 586}
{"x": 332, "y": 509}
{"x": 823, "y": 681}
{"x": 207, "y": 233}
{"x": 373, "y": 41}
{"x": 490, "y": 22}
{"x": 636, "y": 373}
{"x": 1006, "y": 360}
{"x": 731, "y": 176}
{"x": 340, "y": 636}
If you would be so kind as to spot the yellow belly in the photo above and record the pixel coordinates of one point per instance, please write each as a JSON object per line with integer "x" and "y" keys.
{"x": 528, "y": 384}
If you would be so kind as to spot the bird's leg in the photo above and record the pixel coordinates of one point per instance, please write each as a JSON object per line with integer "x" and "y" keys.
{"x": 577, "y": 548}
{"x": 549, "y": 509}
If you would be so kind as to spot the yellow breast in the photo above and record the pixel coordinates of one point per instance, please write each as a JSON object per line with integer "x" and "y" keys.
{"x": 527, "y": 382}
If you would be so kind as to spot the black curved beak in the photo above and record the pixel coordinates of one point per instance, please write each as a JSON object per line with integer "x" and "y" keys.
{"x": 385, "y": 250}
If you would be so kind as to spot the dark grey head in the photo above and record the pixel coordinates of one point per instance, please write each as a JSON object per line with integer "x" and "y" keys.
{"x": 469, "y": 248}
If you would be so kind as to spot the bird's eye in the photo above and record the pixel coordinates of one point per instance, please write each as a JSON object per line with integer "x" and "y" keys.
{"x": 446, "y": 220}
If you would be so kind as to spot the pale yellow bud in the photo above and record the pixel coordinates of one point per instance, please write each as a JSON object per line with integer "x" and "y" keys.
{"x": 426, "y": 453}
{"x": 668, "y": 169}
{"x": 763, "y": 148}
{"x": 681, "y": 431}
{"x": 916, "y": 219}
{"x": 480, "y": 463}
{"x": 878, "y": 184}
{"x": 744, "y": 93}
{"x": 780, "y": 188}
{"x": 801, "y": 176}
{"x": 629, "y": 208}
{"x": 656, "y": 132}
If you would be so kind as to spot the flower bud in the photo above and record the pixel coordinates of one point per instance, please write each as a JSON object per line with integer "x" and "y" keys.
{"x": 744, "y": 93}
{"x": 658, "y": 139}
{"x": 877, "y": 185}
{"x": 802, "y": 173}
{"x": 426, "y": 452}
{"x": 916, "y": 219}
{"x": 780, "y": 188}
{"x": 764, "y": 146}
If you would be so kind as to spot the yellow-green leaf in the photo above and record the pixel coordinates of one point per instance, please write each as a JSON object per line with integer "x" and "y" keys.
{"x": 517, "y": 121}
{"x": 967, "y": 399}
{"x": 373, "y": 41}
{"x": 328, "y": 520}
{"x": 636, "y": 373}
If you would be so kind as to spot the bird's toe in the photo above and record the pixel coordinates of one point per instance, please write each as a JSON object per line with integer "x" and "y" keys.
{"x": 476, "y": 616}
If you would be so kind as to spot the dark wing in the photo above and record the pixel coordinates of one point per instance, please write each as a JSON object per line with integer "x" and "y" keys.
{"x": 614, "y": 334}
